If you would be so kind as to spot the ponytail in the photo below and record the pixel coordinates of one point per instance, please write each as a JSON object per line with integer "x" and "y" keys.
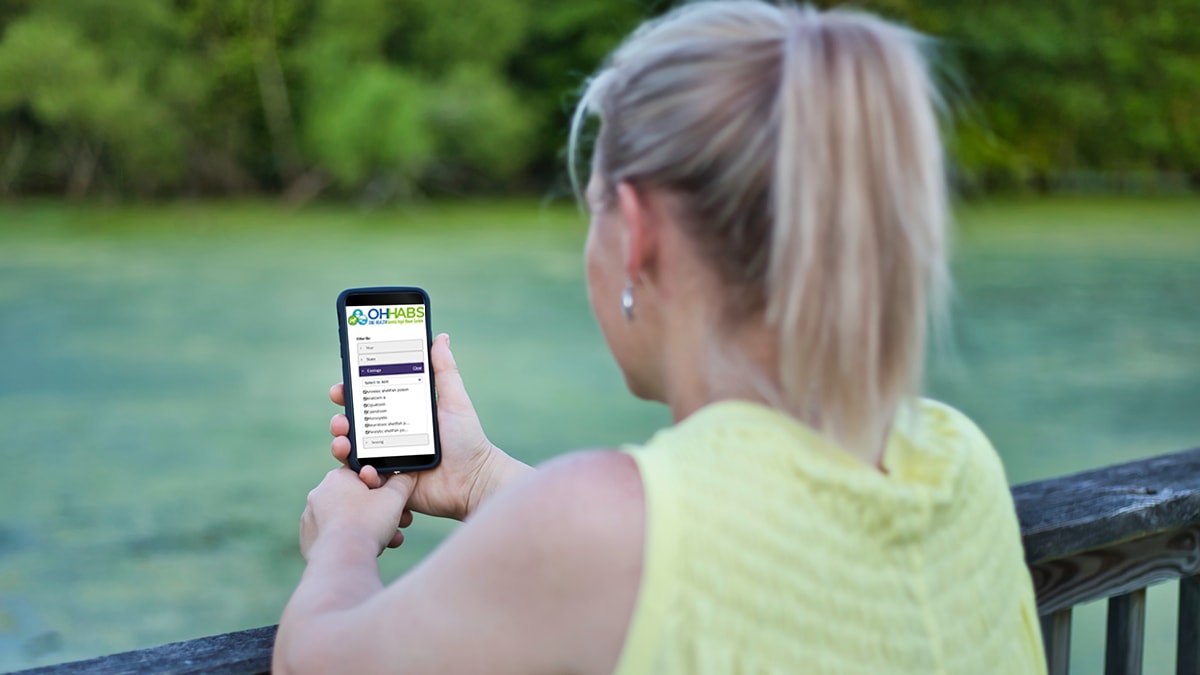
{"x": 857, "y": 247}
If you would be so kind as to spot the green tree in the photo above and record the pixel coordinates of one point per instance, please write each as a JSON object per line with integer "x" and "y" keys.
{"x": 415, "y": 93}
{"x": 102, "y": 80}
{"x": 1071, "y": 85}
{"x": 244, "y": 133}
{"x": 566, "y": 43}
{"x": 393, "y": 97}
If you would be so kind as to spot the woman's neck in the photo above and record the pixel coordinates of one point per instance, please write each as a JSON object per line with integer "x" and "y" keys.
{"x": 704, "y": 363}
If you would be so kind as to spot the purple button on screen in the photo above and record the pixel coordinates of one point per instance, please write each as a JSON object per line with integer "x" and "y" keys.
{"x": 391, "y": 369}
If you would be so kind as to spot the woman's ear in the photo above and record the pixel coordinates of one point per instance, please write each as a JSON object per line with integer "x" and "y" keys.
{"x": 642, "y": 215}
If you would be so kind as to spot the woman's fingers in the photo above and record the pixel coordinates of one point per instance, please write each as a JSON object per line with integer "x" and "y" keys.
{"x": 339, "y": 425}
{"x": 406, "y": 519}
{"x": 341, "y": 449}
{"x": 339, "y": 428}
{"x": 397, "y": 540}
{"x": 370, "y": 477}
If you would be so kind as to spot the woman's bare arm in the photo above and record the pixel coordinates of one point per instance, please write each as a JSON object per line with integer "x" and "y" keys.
{"x": 542, "y": 579}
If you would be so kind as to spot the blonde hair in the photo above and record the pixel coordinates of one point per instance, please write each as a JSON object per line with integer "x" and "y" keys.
{"x": 804, "y": 148}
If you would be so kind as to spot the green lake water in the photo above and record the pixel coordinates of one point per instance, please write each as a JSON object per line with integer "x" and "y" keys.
{"x": 163, "y": 378}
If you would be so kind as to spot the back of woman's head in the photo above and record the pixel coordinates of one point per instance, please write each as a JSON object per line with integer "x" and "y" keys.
{"x": 803, "y": 149}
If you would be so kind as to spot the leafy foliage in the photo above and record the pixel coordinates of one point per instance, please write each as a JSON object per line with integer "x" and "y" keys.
{"x": 397, "y": 97}
{"x": 99, "y": 78}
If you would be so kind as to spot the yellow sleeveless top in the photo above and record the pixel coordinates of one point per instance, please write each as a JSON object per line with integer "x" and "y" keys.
{"x": 768, "y": 550}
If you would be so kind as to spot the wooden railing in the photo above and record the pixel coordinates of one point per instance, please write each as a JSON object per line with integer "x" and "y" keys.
{"x": 1110, "y": 533}
{"x": 1106, "y": 533}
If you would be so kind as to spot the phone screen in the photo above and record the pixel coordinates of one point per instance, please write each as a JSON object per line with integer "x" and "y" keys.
{"x": 385, "y": 352}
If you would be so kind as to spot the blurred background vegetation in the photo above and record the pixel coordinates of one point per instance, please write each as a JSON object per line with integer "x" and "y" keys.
{"x": 169, "y": 330}
{"x": 387, "y": 99}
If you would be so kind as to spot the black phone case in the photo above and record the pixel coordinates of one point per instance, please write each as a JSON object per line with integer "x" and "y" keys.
{"x": 344, "y": 340}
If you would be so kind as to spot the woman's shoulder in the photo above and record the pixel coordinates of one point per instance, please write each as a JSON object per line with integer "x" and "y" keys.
{"x": 933, "y": 447}
{"x": 945, "y": 435}
{"x": 584, "y": 477}
{"x": 595, "y": 493}
{"x": 939, "y": 424}
{"x": 558, "y": 554}
{"x": 947, "y": 421}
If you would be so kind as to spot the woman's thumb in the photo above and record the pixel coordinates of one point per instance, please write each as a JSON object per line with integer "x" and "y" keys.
{"x": 450, "y": 388}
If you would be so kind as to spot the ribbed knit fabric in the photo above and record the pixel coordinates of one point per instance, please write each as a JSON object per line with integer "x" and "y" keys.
{"x": 768, "y": 550}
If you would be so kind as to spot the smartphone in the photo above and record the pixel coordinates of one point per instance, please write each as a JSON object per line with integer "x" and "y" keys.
{"x": 390, "y": 393}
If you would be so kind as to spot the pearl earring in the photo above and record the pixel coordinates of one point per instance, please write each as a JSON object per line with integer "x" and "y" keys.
{"x": 627, "y": 302}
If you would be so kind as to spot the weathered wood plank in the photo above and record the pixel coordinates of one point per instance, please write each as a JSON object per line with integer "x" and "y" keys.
{"x": 1117, "y": 569}
{"x": 1187, "y": 653}
{"x": 1056, "y": 637}
{"x": 1095, "y": 509}
{"x": 239, "y": 653}
{"x": 1126, "y": 628}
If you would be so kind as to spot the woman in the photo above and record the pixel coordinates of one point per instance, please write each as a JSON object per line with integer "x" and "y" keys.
{"x": 767, "y": 244}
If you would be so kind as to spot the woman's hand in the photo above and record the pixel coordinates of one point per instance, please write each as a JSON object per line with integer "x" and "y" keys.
{"x": 358, "y": 507}
{"x": 471, "y": 467}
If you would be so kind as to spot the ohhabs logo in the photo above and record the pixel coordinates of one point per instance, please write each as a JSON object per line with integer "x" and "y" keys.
{"x": 387, "y": 315}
